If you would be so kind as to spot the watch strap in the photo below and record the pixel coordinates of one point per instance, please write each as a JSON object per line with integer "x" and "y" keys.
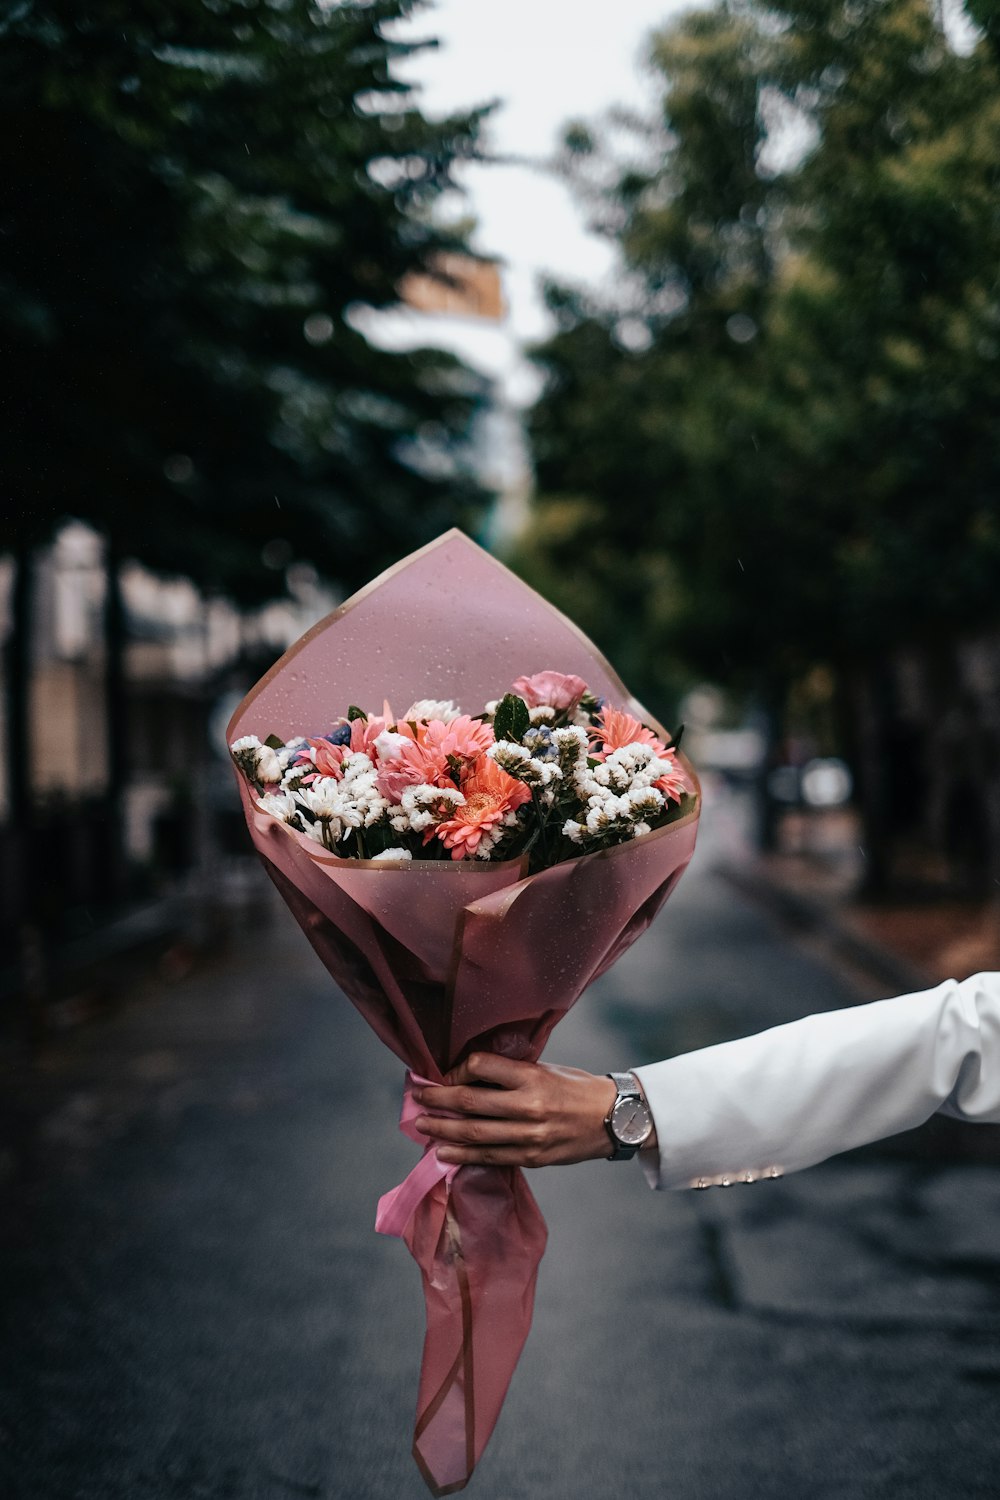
{"x": 627, "y": 1085}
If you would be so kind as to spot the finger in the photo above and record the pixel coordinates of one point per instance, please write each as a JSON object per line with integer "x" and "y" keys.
{"x": 489, "y": 1156}
{"x": 466, "y": 1099}
{"x": 478, "y": 1132}
{"x": 489, "y": 1067}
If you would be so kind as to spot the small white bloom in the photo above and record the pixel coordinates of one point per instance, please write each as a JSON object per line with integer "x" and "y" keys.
{"x": 431, "y": 708}
{"x": 640, "y": 830}
{"x": 543, "y": 714}
{"x": 281, "y": 805}
{"x": 391, "y": 854}
{"x": 269, "y": 767}
{"x": 248, "y": 742}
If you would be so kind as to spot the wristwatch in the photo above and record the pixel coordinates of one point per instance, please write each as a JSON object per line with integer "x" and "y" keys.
{"x": 628, "y": 1122}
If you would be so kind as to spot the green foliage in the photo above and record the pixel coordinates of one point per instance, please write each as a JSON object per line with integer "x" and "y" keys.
{"x": 196, "y": 197}
{"x": 512, "y": 719}
{"x": 779, "y": 443}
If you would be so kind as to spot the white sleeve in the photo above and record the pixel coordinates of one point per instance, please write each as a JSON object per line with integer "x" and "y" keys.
{"x": 790, "y": 1097}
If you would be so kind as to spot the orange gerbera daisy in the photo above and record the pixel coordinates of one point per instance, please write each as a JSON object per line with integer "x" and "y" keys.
{"x": 490, "y": 794}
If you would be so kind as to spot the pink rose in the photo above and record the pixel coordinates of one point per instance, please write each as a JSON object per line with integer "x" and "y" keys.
{"x": 551, "y": 689}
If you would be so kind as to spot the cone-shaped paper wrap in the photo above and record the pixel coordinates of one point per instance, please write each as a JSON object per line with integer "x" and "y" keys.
{"x": 441, "y": 957}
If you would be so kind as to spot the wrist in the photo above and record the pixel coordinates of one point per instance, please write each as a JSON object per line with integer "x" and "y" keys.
{"x": 605, "y": 1094}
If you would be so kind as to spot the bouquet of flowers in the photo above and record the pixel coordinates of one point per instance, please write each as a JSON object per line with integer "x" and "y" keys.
{"x": 463, "y": 877}
{"x": 548, "y": 772}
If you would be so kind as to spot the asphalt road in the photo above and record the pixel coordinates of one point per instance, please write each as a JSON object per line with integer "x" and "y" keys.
{"x": 194, "y": 1303}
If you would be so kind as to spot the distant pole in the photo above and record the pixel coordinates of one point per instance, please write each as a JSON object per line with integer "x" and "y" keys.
{"x": 20, "y": 914}
{"x": 116, "y": 716}
{"x": 17, "y": 680}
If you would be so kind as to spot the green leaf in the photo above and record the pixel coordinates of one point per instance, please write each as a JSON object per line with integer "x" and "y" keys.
{"x": 677, "y": 736}
{"x": 512, "y": 719}
{"x": 356, "y": 713}
{"x": 274, "y": 742}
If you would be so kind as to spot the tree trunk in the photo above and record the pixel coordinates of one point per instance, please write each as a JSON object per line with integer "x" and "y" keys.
{"x": 20, "y": 915}
{"x": 865, "y": 734}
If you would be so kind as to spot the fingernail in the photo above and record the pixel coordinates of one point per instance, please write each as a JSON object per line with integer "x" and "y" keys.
{"x": 420, "y": 1121}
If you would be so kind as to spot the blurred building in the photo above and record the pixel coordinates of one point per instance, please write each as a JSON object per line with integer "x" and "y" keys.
{"x": 461, "y": 306}
{"x": 185, "y": 662}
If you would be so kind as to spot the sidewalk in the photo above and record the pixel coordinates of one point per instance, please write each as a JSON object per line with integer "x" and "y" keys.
{"x": 814, "y": 884}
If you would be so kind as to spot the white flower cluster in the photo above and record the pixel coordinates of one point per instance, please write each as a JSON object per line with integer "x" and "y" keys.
{"x": 329, "y": 807}
{"x": 332, "y": 811}
{"x": 360, "y": 783}
{"x": 267, "y": 766}
{"x": 621, "y": 800}
{"x": 520, "y": 763}
{"x": 571, "y": 747}
{"x": 422, "y": 807}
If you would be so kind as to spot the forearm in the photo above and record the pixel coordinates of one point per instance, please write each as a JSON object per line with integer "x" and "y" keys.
{"x": 790, "y": 1097}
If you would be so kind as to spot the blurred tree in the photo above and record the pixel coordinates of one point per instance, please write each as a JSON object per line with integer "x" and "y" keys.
{"x": 196, "y": 196}
{"x": 788, "y": 418}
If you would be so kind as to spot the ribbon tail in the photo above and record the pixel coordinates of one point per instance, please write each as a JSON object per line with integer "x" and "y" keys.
{"x": 478, "y": 1247}
{"x": 397, "y": 1207}
{"x": 477, "y": 1236}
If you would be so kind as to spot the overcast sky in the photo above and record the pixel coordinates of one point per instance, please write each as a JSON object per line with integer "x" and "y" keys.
{"x": 547, "y": 61}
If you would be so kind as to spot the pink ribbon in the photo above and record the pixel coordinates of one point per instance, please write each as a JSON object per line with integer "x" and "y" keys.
{"x": 397, "y": 1207}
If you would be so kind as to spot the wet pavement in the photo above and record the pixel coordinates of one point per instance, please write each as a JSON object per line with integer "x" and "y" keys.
{"x": 194, "y": 1303}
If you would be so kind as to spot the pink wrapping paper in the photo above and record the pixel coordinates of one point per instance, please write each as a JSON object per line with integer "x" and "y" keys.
{"x": 443, "y": 958}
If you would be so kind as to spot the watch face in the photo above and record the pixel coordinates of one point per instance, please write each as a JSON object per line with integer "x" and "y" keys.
{"x": 631, "y": 1121}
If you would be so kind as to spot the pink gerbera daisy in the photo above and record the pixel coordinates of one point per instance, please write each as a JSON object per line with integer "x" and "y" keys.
{"x": 412, "y": 764}
{"x": 464, "y": 738}
{"x": 618, "y": 729}
{"x": 672, "y": 783}
{"x": 328, "y": 759}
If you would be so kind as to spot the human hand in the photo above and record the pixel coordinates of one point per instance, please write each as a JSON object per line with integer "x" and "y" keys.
{"x": 534, "y": 1115}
